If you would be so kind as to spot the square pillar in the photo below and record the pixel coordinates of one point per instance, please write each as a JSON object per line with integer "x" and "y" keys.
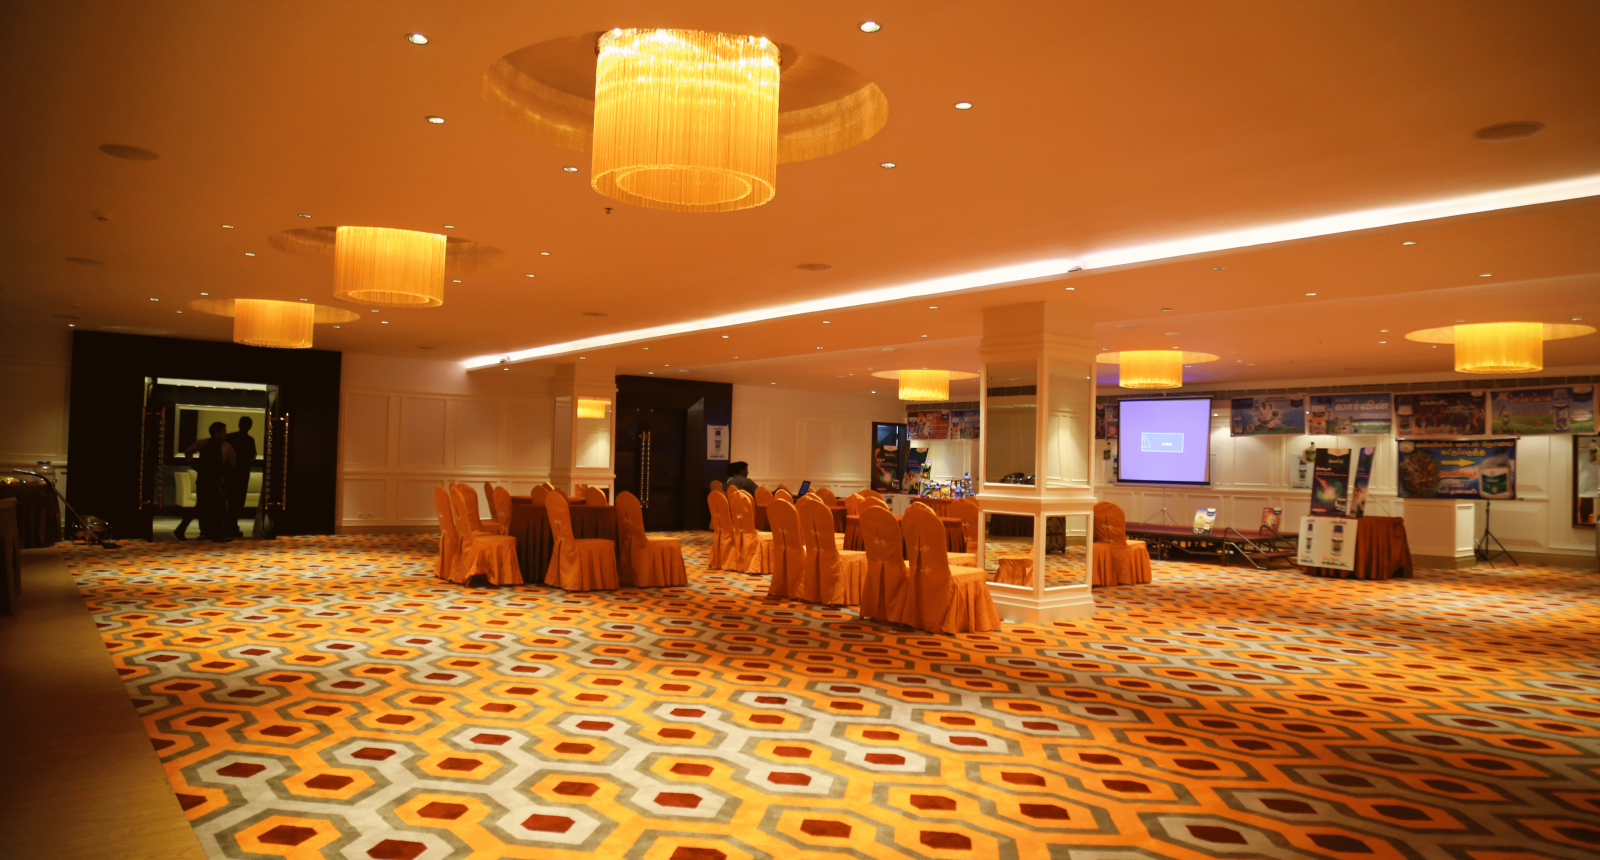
{"x": 581, "y": 448}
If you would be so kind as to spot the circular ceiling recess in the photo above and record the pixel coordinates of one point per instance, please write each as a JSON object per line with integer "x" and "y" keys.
{"x": 461, "y": 256}
{"x": 132, "y": 153}
{"x": 824, "y": 106}
{"x": 323, "y": 314}
{"x": 1509, "y": 131}
{"x": 814, "y": 267}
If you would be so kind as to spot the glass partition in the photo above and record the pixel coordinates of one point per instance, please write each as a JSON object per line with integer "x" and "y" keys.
{"x": 1010, "y": 429}
{"x": 1069, "y": 423}
{"x": 1009, "y": 541}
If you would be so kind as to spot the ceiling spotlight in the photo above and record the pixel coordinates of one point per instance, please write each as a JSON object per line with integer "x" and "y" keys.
{"x": 1408, "y": 243}
{"x": 583, "y": 358}
{"x": 1072, "y": 289}
{"x": 647, "y": 348}
{"x": 1577, "y": 319}
{"x": 887, "y": 164}
{"x": 449, "y": 226}
{"x": 819, "y": 347}
{"x": 305, "y": 300}
{"x": 1310, "y": 294}
{"x": 304, "y": 215}
{"x": 1165, "y": 311}
{"x": 227, "y": 226}
{"x": 724, "y": 337}
{"x": 436, "y": 120}
{"x": 874, "y": 392}
{"x": 544, "y": 253}
{"x": 72, "y": 325}
{"x": 416, "y": 39}
{"x": 1487, "y": 275}
{"x": 870, "y": 27}
{"x": 1383, "y": 331}
{"x": 455, "y": 280}
{"x": 385, "y": 322}
{"x": 570, "y": 169}
{"x": 1218, "y": 268}
{"x": 933, "y": 307}
{"x": 338, "y": 326}
{"x": 827, "y": 322}
{"x": 155, "y": 300}
{"x": 374, "y": 310}
{"x": 505, "y": 368}
{"x": 530, "y": 275}
{"x": 205, "y": 294}
{"x": 1382, "y": 341}
{"x": 249, "y": 254}
{"x": 924, "y": 335}
{"x": 963, "y": 105}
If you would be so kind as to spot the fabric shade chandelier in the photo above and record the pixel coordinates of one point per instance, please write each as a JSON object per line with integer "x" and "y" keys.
{"x": 395, "y": 268}
{"x": 1500, "y": 347}
{"x": 686, "y": 120}
{"x": 267, "y": 322}
{"x": 1152, "y": 368}
{"x": 925, "y": 384}
{"x": 592, "y": 408}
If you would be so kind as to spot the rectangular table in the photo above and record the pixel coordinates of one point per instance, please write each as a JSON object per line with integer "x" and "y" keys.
{"x": 955, "y": 537}
{"x": 530, "y": 525}
{"x": 1382, "y": 551}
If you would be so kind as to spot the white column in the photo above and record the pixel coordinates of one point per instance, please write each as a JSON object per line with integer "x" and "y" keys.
{"x": 582, "y": 451}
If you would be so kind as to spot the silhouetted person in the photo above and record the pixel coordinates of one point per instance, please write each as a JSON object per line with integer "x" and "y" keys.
{"x": 216, "y": 460}
{"x": 244, "y": 452}
{"x": 739, "y": 476}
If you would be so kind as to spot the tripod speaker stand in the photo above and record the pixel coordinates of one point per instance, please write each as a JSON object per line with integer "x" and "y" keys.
{"x": 1481, "y": 550}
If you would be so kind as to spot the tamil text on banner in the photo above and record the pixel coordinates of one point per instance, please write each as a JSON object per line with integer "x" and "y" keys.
{"x": 1330, "y": 485}
{"x": 1458, "y": 469}
{"x": 1349, "y": 415}
{"x": 965, "y": 424}
{"x": 1441, "y": 413}
{"x": 1532, "y": 411}
{"x": 1327, "y": 542}
{"x": 1269, "y": 415}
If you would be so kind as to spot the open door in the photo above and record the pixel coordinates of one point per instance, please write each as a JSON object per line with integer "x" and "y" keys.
{"x": 274, "y": 467}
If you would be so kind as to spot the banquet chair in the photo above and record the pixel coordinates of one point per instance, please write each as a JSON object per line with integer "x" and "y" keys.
{"x": 502, "y": 508}
{"x": 763, "y": 497}
{"x": 488, "y": 499}
{"x": 788, "y": 549}
{"x": 588, "y": 564}
{"x": 493, "y": 556}
{"x": 852, "y": 505}
{"x": 966, "y": 510}
{"x": 724, "y": 543}
{"x": 752, "y": 549}
{"x": 449, "y": 539}
{"x": 884, "y": 588}
{"x": 539, "y": 492}
{"x": 595, "y": 497}
{"x": 827, "y": 497}
{"x": 877, "y": 501}
{"x": 829, "y": 575}
{"x": 471, "y": 496}
{"x": 1117, "y": 560}
{"x": 783, "y": 494}
{"x": 647, "y": 560}
{"x": 871, "y": 494}
{"x": 941, "y": 598}
{"x": 716, "y": 486}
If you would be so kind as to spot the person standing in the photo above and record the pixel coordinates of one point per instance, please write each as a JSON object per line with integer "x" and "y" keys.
{"x": 216, "y": 459}
{"x": 244, "y": 453}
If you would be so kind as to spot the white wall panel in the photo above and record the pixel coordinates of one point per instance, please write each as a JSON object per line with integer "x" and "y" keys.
{"x": 364, "y": 425}
{"x": 415, "y": 499}
{"x": 820, "y": 446}
{"x": 477, "y": 433}
{"x": 422, "y": 431}
{"x": 783, "y": 437}
{"x": 365, "y": 500}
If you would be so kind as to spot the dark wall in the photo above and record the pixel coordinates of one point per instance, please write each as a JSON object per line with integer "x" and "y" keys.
{"x": 708, "y": 403}
{"x": 108, "y": 374}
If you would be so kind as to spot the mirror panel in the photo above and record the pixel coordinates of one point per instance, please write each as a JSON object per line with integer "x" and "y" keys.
{"x": 1010, "y": 428}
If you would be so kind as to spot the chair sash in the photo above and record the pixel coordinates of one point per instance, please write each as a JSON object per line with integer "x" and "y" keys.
{"x": 724, "y": 543}
{"x": 449, "y": 539}
{"x": 884, "y": 591}
{"x": 788, "y": 550}
{"x": 595, "y": 497}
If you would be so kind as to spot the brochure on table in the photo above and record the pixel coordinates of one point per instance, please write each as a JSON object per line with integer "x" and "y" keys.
{"x": 1327, "y": 542}
{"x": 1204, "y": 519}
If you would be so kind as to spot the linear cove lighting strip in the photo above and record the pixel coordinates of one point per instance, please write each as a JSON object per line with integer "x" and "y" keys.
{"x": 1366, "y": 219}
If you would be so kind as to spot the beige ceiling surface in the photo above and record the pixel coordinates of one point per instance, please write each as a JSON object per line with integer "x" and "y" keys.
{"x": 1095, "y": 126}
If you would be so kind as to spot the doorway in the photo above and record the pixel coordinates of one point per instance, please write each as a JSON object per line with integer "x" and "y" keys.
{"x": 179, "y": 415}
{"x": 650, "y": 462}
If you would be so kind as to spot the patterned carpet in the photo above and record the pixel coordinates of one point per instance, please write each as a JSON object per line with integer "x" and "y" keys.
{"x": 326, "y": 697}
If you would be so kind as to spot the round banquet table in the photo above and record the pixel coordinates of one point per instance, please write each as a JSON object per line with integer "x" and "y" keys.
{"x": 940, "y": 506}
{"x": 530, "y": 525}
{"x": 955, "y": 538}
{"x": 838, "y": 518}
{"x": 1381, "y": 551}
{"x": 38, "y": 512}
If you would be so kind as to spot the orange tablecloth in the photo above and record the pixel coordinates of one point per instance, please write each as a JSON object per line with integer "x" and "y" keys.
{"x": 955, "y": 536}
{"x": 1381, "y": 551}
{"x": 535, "y": 542}
{"x": 838, "y": 518}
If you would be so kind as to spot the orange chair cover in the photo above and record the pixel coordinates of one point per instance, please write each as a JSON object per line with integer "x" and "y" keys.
{"x": 471, "y": 497}
{"x": 488, "y": 499}
{"x": 878, "y": 502}
{"x": 1015, "y": 570}
{"x": 827, "y": 496}
{"x": 787, "y": 556}
{"x": 646, "y": 560}
{"x": 871, "y": 494}
{"x": 829, "y": 575}
{"x": 595, "y": 496}
{"x": 716, "y": 486}
{"x": 852, "y": 505}
{"x": 763, "y": 497}
{"x": 502, "y": 508}
{"x": 449, "y": 539}
{"x": 942, "y": 599}
{"x": 783, "y": 494}
{"x": 886, "y": 585}
{"x": 1117, "y": 560}
{"x": 747, "y": 541}
{"x": 490, "y": 555}
{"x": 539, "y": 492}
{"x": 724, "y": 543}
{"x": 577, "y": 565}
{"x": 965, "y": 510}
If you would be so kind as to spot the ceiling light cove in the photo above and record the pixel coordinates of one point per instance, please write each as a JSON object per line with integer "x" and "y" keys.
{"x": 1525, "y": 195}
{"x": 417, "y": 39}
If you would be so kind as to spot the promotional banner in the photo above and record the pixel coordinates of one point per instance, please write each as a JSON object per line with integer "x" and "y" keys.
{"x": 929, "y": 424}
{"x": 1443, "y": 413}
{"x": 888, "y": 456}
{"x": 1455, "y": 469}
{"x": 1350, "y": 415}
{"x": 964, "y": 424}
{"x": 1301, "y": 463}
{"x": 1269, "y": 415}
{"x": 1533, "y": 411}
{"x": 1330, "y": 484}
{"x": 1327, "y": 542}
{"x": 716, "y": 441}
{"x": 1105, "y": 422}
{"x": 1358, "y": 496}
{"x": 917, "y": 469}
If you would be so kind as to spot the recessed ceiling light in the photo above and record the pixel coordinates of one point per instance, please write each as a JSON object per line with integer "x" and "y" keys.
{"x": 774, "y": 383}
{"x": 304, "y": 215}
{"x": 870, "y": 27}
{"x": 963, "y": 105}
{"x": 1460, "y": 321}
{"x": 1382, "y": 341}
{"x": 205, "y": 294}
{"x": 666, "y": 365}
{"x": 305, "y": 300}
{"x": 827, "y": 322}
{"x": 416, "y": 39}
{"x": 385, "y": 322}
{"x": 530, "y": 275}
{"x": 505, "y": 368}
{"x": 249, "y": 254}
{"x": 874, "y": 392}
{"x": 1487, "y": 275}
{"x": 436, "y": 120}
{"x": 819, "y": 347}
{"x": 374, "y": 310}
{"x": 933, "y": 307}
{"x": 338, "y": 326}
{"x": 1072, "y": 289}
{"x": 583, "y": 358}
{"x": 155, "y": 300}
{"x": 724, "y": 337}
{"x": 653, "y": 373}
{"x": 647, "y": 347}
{"x": 1383, "y": 331}
{"x": 1310, "y": 294}
{"x": 455, "y": 280}
{"x": 177, "y": 312}
{"x": 924, "y": 335}
{"x": 887, "y": 164}
{"x": 227, "y": 226}
{"x": 72, "y": 325}
{"x": 544, "y": 253}
{"x": 570, "y": 169}
{"x": 1577, "y": 319}
{"x": 449, "y": 226}
{"x": 1408, "y": 243}
{"x": 1218, "y": 268}
{"x": 1163, "y": 310}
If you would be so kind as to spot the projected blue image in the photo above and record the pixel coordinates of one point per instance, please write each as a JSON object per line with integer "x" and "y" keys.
{"x": 1161, "y": 443}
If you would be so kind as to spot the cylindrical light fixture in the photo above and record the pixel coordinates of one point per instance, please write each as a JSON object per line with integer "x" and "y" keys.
{"x": 592, "y": 408}
{"x": 1152, "y": 368}
{"x": 1500, "y": 347}
{"x": 924, "y": 384}
{"x": 263, "y": 322}
{"x": 396, "y": 268}
{"x": 686, "y": 120}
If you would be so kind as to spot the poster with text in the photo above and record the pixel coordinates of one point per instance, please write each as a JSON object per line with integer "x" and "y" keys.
{"x": 1458, "y": 469}
{"x": 964, "y": 424}
{"x": 1327, "y": 542}
{"x": 889, "y": 446}
{"x": 716, "y": 441}
{"x": 1533, "y": 411}
{"x": 1358, "y": 495}
{"x": 1350, "y": 415}
{"x": 1113, "y": 421}
{"x": 1302, "y": 461}
{"x": 1099, "y": 422}
{"x": 1269, "y": 415}
{"x": 929, "y": 424}
{"x": 1441, "y": 413}
{"x": 917, "y": 469}
{"x": 1330, "y": 484}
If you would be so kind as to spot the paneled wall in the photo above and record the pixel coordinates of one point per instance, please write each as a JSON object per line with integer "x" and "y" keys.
{"x": 1249, "y": 473}
{"x": 791, "y": 436}
{"x": 411, "y": 426}
{"x": 33, "y": 423}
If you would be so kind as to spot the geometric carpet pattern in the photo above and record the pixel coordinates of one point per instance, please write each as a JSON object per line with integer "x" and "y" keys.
{"x": 328, "y": 698}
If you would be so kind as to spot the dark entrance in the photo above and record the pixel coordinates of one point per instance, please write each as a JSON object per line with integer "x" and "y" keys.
{"x": 650, "y": 462}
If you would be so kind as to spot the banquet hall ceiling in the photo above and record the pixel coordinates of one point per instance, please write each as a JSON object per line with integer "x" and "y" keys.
{"x": 1094, "y": 126}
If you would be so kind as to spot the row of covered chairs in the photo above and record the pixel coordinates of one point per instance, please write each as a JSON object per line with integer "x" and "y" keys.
{"x": 470, "y": 547}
